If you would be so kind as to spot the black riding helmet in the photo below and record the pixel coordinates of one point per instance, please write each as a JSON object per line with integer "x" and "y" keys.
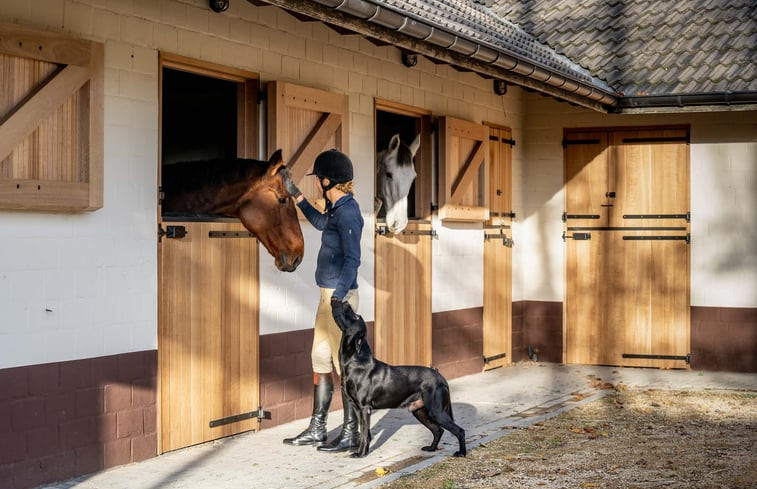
{"x": 334, "y": 165}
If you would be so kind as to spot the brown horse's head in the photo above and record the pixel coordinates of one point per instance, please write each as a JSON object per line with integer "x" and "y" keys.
{"x": 267, "y": 210}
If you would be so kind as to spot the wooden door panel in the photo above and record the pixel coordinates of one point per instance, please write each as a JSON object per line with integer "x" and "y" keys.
{"x": 655, "y": 273}
{"x": 651, "y": 177}
{"x": 586, "y": 179}
{"x": 403, "y": 296}
{"x": 497, "y": 316}
{"x": 463, "y": 149}
{"x": 303, "y": 122}
{"x": 208, "y": 334}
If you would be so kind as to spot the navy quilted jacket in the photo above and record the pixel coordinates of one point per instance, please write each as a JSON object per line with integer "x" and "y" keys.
{"x": 339, "y": 256}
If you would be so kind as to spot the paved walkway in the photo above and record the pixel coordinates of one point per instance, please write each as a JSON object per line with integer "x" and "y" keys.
{"x": 487, "y": 405}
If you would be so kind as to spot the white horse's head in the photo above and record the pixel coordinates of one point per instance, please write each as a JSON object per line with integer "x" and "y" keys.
{"x": 395, "y": 173}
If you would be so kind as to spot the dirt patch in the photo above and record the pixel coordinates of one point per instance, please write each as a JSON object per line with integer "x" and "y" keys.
{"x": 628, "y": 439}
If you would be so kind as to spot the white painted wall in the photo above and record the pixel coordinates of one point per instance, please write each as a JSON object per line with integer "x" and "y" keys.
{"x": 723, "y": 201}
{"x": 97, "y": 272}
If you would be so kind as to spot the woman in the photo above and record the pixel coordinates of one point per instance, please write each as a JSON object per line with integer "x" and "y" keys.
{"x": 336, "y": 275}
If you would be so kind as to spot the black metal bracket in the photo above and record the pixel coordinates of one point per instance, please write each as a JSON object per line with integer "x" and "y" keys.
{"x": 570, "y": 142}
{"x": 686, "y": 216}
{"x": 230, "y": 234}
{"x": 260, "y": 414}
{"x": 686, "y": 238}
{"x": 171, "y": 232}
{"x": 383, "y": 230}
{"x": 506, "y": 240}
{"x": 494, "y": 357}
{"x": 566, "y": 216}
{"x": 577, "y": 236}
{"x": 686, "y": 358}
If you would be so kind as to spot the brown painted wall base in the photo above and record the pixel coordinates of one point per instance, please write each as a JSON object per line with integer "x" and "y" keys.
{"x": 286, "y": 377}
{"x": 537, "y": 324}
{"x": 457, "y": 342}
{"x": 60, "y": 420}
{"x": 724, "y": 339}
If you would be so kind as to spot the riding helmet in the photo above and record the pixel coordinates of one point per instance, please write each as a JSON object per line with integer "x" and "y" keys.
{"x": 334, "y": 165}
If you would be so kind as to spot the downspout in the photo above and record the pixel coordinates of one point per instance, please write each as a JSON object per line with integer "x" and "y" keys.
{"x": 483, "y": 52}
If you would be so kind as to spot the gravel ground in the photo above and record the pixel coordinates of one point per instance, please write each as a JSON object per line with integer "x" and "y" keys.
{"x": 630, "y": 439}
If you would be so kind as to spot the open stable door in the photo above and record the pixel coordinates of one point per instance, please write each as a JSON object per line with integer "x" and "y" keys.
{"x": 303, "y": 122}
{"x": 463, "y": 151}
{"x": 208, "y": 358}
{"x": 497, "y": 334}
{"x": 403, "y": 261}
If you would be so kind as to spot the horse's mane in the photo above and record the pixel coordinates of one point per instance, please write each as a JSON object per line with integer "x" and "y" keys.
{"x": 404, "y": 156}
{"x": 193, "y": 175}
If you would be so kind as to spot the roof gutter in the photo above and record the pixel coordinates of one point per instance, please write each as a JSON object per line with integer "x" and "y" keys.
{"x": 417, "y": 35}
{"x": 420, "y": 29}
{"x": 685, "y": 100}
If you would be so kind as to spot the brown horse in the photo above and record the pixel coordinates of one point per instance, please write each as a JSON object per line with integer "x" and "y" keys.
{"x": 250, "y": 190}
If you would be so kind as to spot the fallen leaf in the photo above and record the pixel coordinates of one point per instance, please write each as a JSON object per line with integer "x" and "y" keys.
{"x": 381, "y": 471}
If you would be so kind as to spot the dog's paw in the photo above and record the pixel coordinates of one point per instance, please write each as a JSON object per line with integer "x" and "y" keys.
{"x": 429, "y": 448}
{"x": 358, "y": 455}
{"x": 460, "y": 454}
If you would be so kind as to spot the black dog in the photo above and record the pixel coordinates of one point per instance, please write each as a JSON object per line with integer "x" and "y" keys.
{"x": 372, "y": 384}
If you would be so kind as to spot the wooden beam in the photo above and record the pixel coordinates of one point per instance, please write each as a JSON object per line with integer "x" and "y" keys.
{"x": 24, "y": 119}
{"x": 313, "y": 145}
{"x": 467, "y": 173}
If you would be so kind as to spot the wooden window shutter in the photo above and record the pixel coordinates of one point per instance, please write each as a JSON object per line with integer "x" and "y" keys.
{"x": 302, "y": 122}
{"x": 51, "y": 121}
{"x": 463, "y": 149}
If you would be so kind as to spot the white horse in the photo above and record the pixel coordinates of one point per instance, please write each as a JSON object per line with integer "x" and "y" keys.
{"x": 395, "y": 173}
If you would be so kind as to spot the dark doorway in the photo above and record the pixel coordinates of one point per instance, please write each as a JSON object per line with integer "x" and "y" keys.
{"x": 387, "y": 125}
{"x": 199, "y": 117}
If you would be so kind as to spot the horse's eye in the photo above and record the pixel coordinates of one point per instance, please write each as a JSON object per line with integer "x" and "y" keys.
{"x": 389, "y": 175}
{"x": 283, "y": 200}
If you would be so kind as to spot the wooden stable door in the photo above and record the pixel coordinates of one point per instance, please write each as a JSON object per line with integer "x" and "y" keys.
{"x": 627, "y": 247}
{"x": 497, "y": 329}
{"x": 208, "y": 333}
{"x": 403, "y": 295}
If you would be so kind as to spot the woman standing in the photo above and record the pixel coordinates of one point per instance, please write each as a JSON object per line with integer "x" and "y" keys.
{"x": 336, "y": 276}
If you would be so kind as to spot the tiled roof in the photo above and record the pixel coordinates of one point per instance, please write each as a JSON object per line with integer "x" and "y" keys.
{"x": 475, "y": 22}
{"x": 648, "y": 47}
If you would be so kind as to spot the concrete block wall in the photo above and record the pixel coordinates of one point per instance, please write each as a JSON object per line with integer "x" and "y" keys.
{"x": 110, "y": 255}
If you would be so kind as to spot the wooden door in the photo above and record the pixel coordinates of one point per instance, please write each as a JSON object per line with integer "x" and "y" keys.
{"x": 208, "y": 302}
{"x": 497, "y": 318}
{"x": 587, "y": 308}
{"x": 627, "y": 251}
{"x": 651, "y": 206}
{"x": 208, "y": 334}
{"x": 403, "y": 295}
{"x": 303, "y": 122}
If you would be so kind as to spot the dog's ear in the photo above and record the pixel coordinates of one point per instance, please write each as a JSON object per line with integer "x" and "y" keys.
{"x": 349, "y": 313}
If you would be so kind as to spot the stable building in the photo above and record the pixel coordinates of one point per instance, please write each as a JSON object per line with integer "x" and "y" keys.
{"x": 584, "y": 194}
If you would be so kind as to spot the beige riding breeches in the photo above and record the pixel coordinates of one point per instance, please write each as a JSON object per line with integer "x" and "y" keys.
{"x": 327, "y": 335}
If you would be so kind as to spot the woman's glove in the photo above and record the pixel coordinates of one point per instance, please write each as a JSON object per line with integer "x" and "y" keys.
{"x": 286, "y": 178}
{"x": 337, "y": 308}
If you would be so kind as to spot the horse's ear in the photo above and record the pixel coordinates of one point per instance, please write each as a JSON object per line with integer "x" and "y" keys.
{"x": 394, "y": 143}
{"x": 275, "y": 162}
{"x": 415, "y": 144}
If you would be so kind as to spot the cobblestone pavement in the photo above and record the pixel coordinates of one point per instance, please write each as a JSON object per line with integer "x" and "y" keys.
{"x": 486, "y": 405}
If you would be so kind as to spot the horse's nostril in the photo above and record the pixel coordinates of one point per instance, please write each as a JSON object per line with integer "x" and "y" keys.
{"x": 297, "y": 261}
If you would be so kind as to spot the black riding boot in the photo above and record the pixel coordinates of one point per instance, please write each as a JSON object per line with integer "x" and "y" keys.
{"x": 349, "y": 437}
{"x": 316, "y": 431}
